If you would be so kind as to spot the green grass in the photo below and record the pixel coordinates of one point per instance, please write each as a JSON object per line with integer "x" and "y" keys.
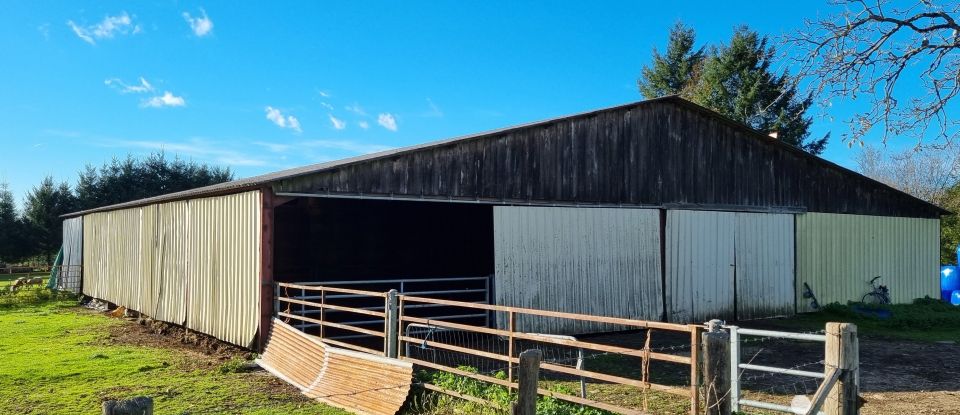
{"x": 7, "y": 279}
{"x": 58, "y": 360}
{"x": 618, "y": 395}
{"x": 926, "y": 320}
{"x": 495, "y": 394}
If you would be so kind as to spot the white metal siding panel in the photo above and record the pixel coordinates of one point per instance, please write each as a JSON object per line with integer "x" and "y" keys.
{"x": 170, "y": 270}
{"x": 581, "y": 260}
{"x": 92, "y": 259}
{"x": 700, "y": 265}
{"x": 224, "y": 284}
{"x": 838, "y": 254}
{"x": 112, "y": 256}
{"x": 148, "y": 240}
{"x": 194, "y": 262}
{"x": 764, "y": 265}
{"x": 72, "y": 254}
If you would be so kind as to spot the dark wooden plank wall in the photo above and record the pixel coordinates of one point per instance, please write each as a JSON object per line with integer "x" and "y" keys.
{"x": 656, "y": 153}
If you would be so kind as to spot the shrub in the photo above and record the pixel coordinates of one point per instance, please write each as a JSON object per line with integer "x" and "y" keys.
{"x": 922, "y": 314}
{"x": 498, "y": 395}
{"x": 234, "y": 365}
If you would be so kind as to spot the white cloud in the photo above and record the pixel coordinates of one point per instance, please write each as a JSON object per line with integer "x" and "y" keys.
{"x": 274, "y": 147}
{"x": 274, "y": 115}
{"x": 81, "y": 32}
{"x": 305, "y": 147}
{"x": 324, "y": 94}
{"x": 44, "y": 30}
{"x": 165, "y": 100}
{"x": 200, "y": 148}
{"x": 434, "y": 111}
{"x": 356, "y": 109}
{"x": 294, "y": 123}
{"x": 201, "y": 26}
{"x": 337, "y": 123}
{"x": 346, "y": 145}
{"x": 327, "y": 106}
{"x": 111, "y": 25}
{"x": 125, "y": 88}
{"x": 363, "y": 124}
{"x": 282, "y": 121}
{"x": 387, "y": 120}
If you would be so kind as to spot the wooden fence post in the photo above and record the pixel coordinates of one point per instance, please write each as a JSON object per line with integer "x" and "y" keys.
{"x": 842, "y": 352}
{"x": 528, "y": 379}
{"x": 391, "y": 330}
{"x": 716, "y": 370}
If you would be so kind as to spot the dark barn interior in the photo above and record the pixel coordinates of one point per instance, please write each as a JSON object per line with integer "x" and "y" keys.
{"x": 330, "y": 239}
{"x": 429, "y": 249}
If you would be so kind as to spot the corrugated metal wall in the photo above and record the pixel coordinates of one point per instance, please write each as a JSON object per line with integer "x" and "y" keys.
{"x": 838, "y": 254}
{"x": 171, "y": 253}
{"x": 764, "y": 265}
{"x": 224, "y": 285}
{"x": 111, "y": 256}
{"x": 194, "y": 262}
{"x": 72, "y": 255}
{"x": 728, "y": 265}
{"x": 581, "y": 260}
{"x": 700, "y": 265}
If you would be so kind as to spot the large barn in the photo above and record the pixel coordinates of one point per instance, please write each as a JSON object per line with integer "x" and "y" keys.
{"x": 658, "y": 210}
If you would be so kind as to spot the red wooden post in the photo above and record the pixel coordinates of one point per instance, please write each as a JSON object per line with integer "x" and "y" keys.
{"x": 266, "y": 264}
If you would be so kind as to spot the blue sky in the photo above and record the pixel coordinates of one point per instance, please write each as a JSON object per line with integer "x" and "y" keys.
{"x": 264, "y": 86}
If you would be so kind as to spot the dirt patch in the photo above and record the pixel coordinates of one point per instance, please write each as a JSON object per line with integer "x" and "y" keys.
{"x": 199, "y": 351}
{"x": 153, "y": 333}
{"x": 896, "y": 376}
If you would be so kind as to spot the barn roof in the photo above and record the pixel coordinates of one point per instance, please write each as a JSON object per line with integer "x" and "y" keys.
{"x": 272, "y": 178}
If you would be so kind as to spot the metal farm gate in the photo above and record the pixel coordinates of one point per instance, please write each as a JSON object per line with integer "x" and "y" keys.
{"x": 400, "y": 326}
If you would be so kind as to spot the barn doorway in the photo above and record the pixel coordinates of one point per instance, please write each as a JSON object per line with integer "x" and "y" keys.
{"x": 429, "y": 249}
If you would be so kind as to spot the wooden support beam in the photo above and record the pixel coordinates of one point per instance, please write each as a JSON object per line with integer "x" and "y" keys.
{"x": 266, "y": 265}
{"x": 833, "y": 374}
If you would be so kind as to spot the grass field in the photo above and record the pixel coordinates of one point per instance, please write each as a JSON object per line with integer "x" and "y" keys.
{"x": 6, "y": 279}
{"x": 61, "y": 360}
{"x": 925, "y": 320}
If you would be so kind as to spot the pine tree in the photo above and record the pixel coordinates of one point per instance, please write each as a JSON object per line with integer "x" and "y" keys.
{"x": 735, "y": 80}
{"x": 11, "y": 248}
{"x": 673, "y": 72}
{"x": 44, "y": 205}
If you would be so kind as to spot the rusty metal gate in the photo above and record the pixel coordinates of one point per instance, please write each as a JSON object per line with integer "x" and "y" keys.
{"x": 328, "y": 310}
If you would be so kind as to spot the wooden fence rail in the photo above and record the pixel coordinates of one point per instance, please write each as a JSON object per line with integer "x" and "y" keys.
{"x": 395, "y": 317}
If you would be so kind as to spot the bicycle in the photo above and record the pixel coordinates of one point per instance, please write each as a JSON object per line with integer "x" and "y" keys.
{"x": 879, "y": 294}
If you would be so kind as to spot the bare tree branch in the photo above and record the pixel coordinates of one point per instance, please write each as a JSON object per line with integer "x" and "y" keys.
{"x": 927, "y": 173}
{"x": 904, "y": 61}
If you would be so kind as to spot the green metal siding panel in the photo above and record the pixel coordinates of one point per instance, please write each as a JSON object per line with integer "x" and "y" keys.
{"x": 838, "y": 254}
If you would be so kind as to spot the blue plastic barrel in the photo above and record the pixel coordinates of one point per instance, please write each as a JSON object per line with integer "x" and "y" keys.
{"x": 949, "y": 281}
{"x": 955, "y": 297}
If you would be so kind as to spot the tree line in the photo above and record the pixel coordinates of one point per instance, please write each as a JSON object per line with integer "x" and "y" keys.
{"x": 35, "y": 230}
